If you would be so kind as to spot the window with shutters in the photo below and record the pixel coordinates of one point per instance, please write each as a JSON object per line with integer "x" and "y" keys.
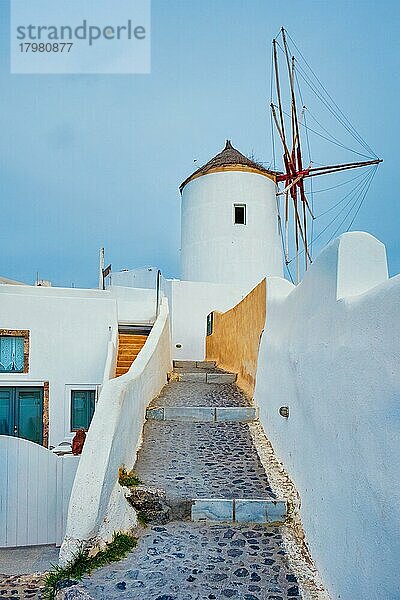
{"x": 14, "y": 351}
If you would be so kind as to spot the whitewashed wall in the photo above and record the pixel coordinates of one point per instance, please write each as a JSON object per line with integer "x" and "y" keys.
{"x": 213, "y": 247}
{"x": 34, "y": 493}
{"x": 134, "y": 303}
{"x": 98, "y": 506}
{"x": 70, "y": 331}
{"x": 190, "y": 302}
{"x": 331, "y": 352}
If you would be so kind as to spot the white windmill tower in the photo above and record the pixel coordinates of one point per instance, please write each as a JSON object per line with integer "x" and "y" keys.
{"x": 230, "y": 222}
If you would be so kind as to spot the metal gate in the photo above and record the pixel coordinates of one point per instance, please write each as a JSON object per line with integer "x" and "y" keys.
{"x": 35, "y": 486}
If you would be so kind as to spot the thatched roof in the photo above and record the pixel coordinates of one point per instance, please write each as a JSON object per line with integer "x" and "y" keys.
{"x": 228, "y": 156}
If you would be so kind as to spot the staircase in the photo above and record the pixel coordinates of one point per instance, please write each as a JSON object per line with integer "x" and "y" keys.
{"x": 213, "y": 521}
{"x": 198, "y": 454}
{"x": 129, "y": 346}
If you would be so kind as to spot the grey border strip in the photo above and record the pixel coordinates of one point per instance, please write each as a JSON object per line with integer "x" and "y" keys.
{"x": 198, "y": 414}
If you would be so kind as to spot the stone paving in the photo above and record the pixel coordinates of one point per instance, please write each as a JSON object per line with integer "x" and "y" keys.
{"x": 184, "y": 560}
{"x": 190, "y": 561}
{"x": 201, "y": 460}
{"x": 29, "y": 587}
{"x": 28, "y": 559}
{"x": 17, "y": 566}
{"x": 200, "y": 394}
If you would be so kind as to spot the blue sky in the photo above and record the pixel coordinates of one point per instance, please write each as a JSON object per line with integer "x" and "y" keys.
{"x": 93, "y": 160}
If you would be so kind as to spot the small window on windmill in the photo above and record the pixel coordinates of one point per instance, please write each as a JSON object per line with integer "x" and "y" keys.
{"x": 209, "y": 324}
{"x": 239, "y": 214}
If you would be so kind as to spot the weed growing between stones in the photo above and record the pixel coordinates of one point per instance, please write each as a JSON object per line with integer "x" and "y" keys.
{"x": 128, "y": 479}
{"x": 142, "y": 518}
{"x": 83, "y": 564}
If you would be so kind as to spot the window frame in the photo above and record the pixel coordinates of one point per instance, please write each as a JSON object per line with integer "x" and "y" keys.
{"x": 240, "y": 205}
{"x": 210, "y": 324}
{"x": 25, "y": 335}
{"x": 87, "y": 391}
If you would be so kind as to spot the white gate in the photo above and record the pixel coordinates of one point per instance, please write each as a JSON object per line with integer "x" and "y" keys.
{"x": 35, "y": 486}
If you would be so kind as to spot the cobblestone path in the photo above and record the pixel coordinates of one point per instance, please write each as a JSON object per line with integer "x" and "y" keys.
{"x": 201, "y": 460}
{"x": 21, "y": 569}
{"x": 200, "y": 394}
{"x": 189, "y": 561}
{"x": 29, "y": 587}
{"x": 184, "y": 560}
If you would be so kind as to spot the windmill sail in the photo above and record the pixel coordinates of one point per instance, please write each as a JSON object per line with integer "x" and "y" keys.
{"x": 296, "y": 210}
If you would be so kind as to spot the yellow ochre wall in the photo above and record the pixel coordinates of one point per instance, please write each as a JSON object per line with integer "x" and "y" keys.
{"x": 236, "y": 335}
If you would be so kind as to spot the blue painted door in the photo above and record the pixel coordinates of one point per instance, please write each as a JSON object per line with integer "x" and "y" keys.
{"x": 21, "y": 413}
{"x": 6, "y": 411}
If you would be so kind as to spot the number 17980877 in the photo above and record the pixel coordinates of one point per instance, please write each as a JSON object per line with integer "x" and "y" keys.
{"x": 46, "y": 47}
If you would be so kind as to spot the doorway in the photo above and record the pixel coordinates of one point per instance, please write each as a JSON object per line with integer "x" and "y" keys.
{"x": 21, "y": 412}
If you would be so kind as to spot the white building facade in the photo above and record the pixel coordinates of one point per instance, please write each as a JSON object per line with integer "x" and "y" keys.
{"x": 53, "y": 351}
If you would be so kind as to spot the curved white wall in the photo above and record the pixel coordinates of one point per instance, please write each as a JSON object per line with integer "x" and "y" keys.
{"x": 213, "y": 248}
{"x": 98, "y": 506}
{"x": 330, "y": 351}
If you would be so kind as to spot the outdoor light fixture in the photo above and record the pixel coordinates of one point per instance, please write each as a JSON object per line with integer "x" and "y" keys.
{"x": 284, "y": 411}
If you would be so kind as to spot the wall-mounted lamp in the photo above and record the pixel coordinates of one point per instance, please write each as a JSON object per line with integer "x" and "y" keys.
{"x": 284, "y": 411}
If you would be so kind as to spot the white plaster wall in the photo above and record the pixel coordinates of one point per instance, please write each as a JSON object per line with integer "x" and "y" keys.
{"x": 70, "y": 330}
{"x": 213, "y": 248}
{"x": 98, "y": 506}
{"x": 68, "y": 346}
{"x": 135, "y": 304}
{"x": 190, "y": 302}
{"x": 332, "y": 355}
{"x": 66, "y": 471}
{"x": 142, "y": 277}
{"x": 51, "y": 292}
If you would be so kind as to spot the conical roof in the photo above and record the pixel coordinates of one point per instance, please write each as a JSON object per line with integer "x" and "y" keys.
{"x": 229, "y": 157}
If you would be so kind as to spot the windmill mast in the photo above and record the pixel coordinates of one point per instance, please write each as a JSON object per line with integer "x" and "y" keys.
{"x": 294, "y": 173}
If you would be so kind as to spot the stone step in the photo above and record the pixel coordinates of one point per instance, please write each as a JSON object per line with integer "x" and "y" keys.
{"x": 124, "y": 363}
{"x": 202, "y": 376}
{"x": 158, "y": 508}
{"x": 130, "y": 347}
{"x": 194, "y": 364}
{"x": 125, "y": 357}
{"x": 121, "y": 371}
{"x": 239, "y": 510}
{"x": 203, "y": 413}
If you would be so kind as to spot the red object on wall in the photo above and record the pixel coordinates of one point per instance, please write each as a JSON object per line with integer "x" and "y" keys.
{"x": 78, "y": 442}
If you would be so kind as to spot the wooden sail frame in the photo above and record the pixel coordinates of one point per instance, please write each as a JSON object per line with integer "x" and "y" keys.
{"x": 294, "y": 171}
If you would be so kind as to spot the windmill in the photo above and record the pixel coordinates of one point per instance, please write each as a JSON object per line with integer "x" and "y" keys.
{"x": 290, "y": 125}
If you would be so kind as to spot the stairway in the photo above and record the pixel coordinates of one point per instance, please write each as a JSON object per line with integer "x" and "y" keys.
{"x": 198, "y": 449}
{"x": 129, "y": 346}
{"x": 213, "y": 521}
